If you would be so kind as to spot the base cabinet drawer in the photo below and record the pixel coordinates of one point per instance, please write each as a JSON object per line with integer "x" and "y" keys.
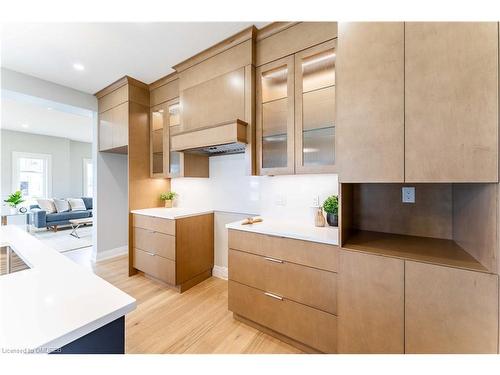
{"x": 306, "y": 285}
{"x": 155, "y": 265}
{"x": 154, "y": 242}
{"x": 314, "y": 328}
{"x": 156, "y": 224}
{"x": 307, "y": 253}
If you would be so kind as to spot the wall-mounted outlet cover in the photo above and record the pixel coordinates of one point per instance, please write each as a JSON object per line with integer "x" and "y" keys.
{"x": 280, "y": 200}
{"x": 408, "y": 194}
{"x": 315, "y": 201}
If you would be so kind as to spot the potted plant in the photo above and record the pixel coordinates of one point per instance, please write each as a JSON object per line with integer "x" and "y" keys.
{"x": 331, "y": 207}
{"x": 168, "y": 198}
{"x": 14, "y": 200}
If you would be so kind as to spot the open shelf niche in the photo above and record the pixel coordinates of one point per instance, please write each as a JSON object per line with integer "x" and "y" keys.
{"x": 449, "y": 224}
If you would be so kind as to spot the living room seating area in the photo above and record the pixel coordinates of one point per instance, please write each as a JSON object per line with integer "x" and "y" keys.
{"x": 50, "y": 213}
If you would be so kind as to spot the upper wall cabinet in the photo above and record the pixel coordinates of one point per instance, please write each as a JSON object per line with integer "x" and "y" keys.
{"x": 451, "y": 102}
{"x": 275, "y": 117}
{"x": 165, "y": 122}
{"x": 370, "y": 102}
{"x": 114, "y": 105}
{"x": 315, "y": 109}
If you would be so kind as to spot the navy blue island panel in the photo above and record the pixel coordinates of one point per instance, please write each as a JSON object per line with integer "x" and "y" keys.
{"x": 109, "y": 339}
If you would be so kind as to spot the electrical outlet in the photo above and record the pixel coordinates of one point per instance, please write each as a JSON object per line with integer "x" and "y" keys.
{"x": 409, "y": 194}
{"x": 280, "y": 200}
{"x": 315, "y": 201}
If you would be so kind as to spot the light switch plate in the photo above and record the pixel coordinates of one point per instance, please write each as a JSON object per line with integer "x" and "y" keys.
{"x": 408, "y": 194}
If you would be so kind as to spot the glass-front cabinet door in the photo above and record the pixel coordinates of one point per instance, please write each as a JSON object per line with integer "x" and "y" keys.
{"x": 157, "y": 140}
{"x": 275, "y": 117}
{"x": 315, "y": 109}
{"x": 174, "y": 158}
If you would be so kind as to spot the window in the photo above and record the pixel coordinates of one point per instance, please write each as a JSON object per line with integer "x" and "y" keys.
{"x": 31, "y": 173}
{"x": 88, "y": 185}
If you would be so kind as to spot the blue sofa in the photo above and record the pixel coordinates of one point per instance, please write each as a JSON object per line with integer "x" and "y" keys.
{"x": 41, "y": 219}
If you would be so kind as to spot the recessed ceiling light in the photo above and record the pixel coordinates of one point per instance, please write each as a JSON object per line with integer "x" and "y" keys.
{"x": 25, "y": 126}
{"x": 78, "y": 67}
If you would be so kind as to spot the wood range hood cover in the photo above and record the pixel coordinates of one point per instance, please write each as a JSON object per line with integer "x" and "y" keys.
{"x": 221, "y": 139}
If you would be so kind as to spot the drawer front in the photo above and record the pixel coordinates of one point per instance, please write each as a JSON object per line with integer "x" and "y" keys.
{"x": 155, "y": 242}
{"x": 312, "y": 254}
{"x": 306, "y": 285}
{"x": 154, "y": 265}
{"x": 304, "y": 324}
{"x": 155, "y": 224}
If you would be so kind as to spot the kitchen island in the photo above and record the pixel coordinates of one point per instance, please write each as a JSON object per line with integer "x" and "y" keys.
{"x": 57, "y": 306}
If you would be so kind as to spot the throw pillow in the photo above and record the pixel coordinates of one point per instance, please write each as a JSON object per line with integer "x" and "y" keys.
{"x": 62, "y": 205}
{"x": 46, "y": 205}
{"x": 77, "y": 204}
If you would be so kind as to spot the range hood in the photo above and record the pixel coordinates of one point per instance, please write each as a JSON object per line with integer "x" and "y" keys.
{"x": 222, "y": 139}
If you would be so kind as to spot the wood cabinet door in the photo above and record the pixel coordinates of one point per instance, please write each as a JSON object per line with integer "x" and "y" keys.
{"x": 451, "y": 102}
{"x": 275, "y": 117}
{"x": 370, "y": 304}
{"x": 370, "y": 102}
{"x": 120, "y": 116}
{"x": 315, "y": 109}
{"x": 449, "y": 310}
{"x": 105, "y": 131}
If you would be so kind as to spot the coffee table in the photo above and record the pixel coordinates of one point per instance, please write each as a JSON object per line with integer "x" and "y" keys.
{"x": 77, "y": 223}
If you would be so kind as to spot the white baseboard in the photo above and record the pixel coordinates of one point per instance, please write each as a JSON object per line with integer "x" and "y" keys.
{"x": 111, "y": 253}
{"x": 220, "y": 272}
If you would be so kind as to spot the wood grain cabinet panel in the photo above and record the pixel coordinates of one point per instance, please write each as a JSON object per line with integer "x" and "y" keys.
{"x": 449, "y": 310}
{"x": 370, "y": 102}
{"x": 311, "y": 254}
{"x": 314, "y": 328}
{"x": 156, "y": 224}
{"x": 155, "y": 242}
{"x": 370, "y": 304}
{"x": 105, "y": 131}
{"x": 451, "y": 102}
{"x": 306, "y": 285}
{"x": 154, "y": 265}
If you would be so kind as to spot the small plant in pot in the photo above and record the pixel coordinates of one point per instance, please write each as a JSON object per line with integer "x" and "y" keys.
{"x": 14, "y": 200}
{"x": 331, "y": 207}
{"x": 168, "y": 198}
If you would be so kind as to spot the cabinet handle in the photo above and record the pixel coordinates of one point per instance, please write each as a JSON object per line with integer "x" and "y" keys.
{"x": 152, "y": 231}
{"x": 273, "y": 260}
{"x": 275, "y": 296}
{"x": 150, "y": 254}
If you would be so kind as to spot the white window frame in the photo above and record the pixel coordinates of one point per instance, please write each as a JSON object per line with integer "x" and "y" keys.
{"x": 85, "y": 177}
{"x": 16, "y": 170}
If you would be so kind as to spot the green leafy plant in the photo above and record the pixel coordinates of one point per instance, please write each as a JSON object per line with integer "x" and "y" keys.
{"x": 168, "y": 196}
{"x": 15, "y": 199}
{"x": 331, "y": 205}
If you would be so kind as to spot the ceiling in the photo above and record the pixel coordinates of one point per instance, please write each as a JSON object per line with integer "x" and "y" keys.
{"x": 108, "y": 51}
{"x": 38, "y": 116}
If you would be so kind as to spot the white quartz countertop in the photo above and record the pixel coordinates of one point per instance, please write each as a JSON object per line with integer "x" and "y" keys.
{"x": 54, "y": 302}
{"x": 291, "y": 229}
{"x": 172, "y": 213}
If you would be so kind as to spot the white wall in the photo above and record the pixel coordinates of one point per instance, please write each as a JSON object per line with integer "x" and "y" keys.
{"x": 67, "y": 160}
{"x": 235, "y": 196}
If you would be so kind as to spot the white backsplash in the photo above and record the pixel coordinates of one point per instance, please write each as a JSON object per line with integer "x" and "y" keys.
{"x": 229, "y": 189}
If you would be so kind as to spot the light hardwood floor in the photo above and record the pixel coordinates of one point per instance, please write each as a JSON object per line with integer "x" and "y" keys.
{"x": 196, "y": 322}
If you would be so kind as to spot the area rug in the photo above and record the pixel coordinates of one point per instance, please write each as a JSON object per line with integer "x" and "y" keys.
{"x": 62, "y": 241}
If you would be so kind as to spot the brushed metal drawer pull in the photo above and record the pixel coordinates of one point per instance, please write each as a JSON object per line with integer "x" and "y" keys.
{"x": 273, "y": 260}
{"x": 151, "y": 231}
{"x": 150, "y": 254}
{"x": 275, "y": 296}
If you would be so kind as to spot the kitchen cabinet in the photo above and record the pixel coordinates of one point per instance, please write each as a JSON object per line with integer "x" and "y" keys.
{"x": 285, "y": 287}
{"x": 370, "y": 102}
{"x": 315, "y": 109}
{"x": 370, "y": 304}
{"x": 158, "y": 140}
{"x": 449, "y": 310}
{"x": 275, "y": 117}
{"x": 113, "y": 129}
{"x": 451, "y": 102}
{"x": 166, "y": 249}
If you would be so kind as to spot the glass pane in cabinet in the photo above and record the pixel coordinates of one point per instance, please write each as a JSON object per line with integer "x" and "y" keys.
{"x": 318, "y": 133}
{"x": 175, "y": 163}
{"x": 274, "y": 84}
{"x": 318, "y": 71}
{"x": 174, "y": 115}
{"x": 158, "y": 162}
{"x": 274, "y": 134}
